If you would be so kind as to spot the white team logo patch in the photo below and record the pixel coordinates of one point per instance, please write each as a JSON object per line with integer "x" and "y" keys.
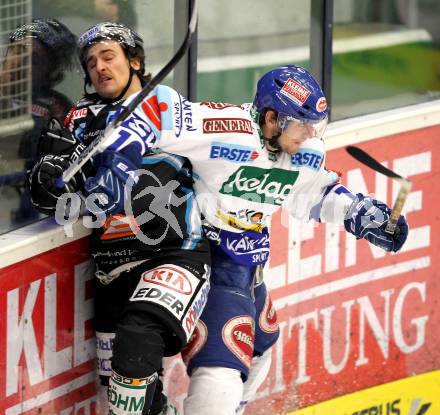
{"x": 295, "y": 91}
{"x": 169, "y": 286}
{"x": 171, "y": 277}
{"x": 321, "y": 104}
{"x": 96, "y": 109}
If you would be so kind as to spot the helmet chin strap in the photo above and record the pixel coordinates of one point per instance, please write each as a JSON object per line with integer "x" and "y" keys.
{"x": 273, "y": 143}
{"x": 130, "y": 78}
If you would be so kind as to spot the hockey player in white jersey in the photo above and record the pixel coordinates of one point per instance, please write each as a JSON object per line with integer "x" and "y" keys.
{"x": 248, "y": 161}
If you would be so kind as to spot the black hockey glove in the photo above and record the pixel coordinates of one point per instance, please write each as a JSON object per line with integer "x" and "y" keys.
{"x": 56, "y": 139}
{"x": 57, "y": 147}
{"x": 44, "y": 192}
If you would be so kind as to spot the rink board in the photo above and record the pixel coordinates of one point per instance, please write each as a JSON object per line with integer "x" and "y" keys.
{"x": 47, "y": 346}
{"x": 414, "y": 396}
{"x": 351, "y": 317}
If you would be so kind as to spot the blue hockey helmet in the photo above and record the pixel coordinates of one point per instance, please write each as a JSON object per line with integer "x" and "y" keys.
{"x": 295, "y": 95}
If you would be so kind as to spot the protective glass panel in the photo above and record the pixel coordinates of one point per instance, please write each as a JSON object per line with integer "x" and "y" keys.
{"x": 15, "y": 107}
{"x": 386, "y": 54}
{"x": 241, "y": 40}
{"x": 40, "y": 78}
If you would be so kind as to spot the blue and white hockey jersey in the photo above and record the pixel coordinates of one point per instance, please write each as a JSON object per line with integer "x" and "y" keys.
{"x": 238, "y": 182}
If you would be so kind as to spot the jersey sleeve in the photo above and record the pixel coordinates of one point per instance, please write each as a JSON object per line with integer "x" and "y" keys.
{"x": 304, "y": 198}
{"x": 188, "y": 128}
{"x": 168, "y": 121}
{"x": 323, "y": 200}
{"x": 334, "y": 204}
{"x": 75, "y": 118}
{"x": 320, "y": 196}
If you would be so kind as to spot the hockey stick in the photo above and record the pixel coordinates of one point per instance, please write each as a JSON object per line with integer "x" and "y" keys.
{"x": 101, "y": 143}
{"x": 405, "y": 184}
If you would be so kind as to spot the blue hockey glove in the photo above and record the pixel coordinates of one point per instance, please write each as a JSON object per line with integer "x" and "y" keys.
{"x": 367, "y": 218}
{"x": 114, "y": 169}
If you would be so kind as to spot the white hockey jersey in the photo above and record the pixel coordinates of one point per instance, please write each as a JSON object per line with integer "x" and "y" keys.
{"x": 238, "y": 182}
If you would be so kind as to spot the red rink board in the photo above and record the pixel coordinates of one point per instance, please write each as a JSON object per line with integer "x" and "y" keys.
{"x": 46, "y": 338}
{"x": 352, "y": 316}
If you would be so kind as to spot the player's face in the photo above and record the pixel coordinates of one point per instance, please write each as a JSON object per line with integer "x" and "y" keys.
{"x": 293, "y": 136}
{"x": 291, "y": 131}
{"x": 109, "y": 69}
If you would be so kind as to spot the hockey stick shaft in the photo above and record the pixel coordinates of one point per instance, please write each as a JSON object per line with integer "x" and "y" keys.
{"x": 405, "y": 184}
{"x": 398, "y": 205}
{"x": 100, "y": 144}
